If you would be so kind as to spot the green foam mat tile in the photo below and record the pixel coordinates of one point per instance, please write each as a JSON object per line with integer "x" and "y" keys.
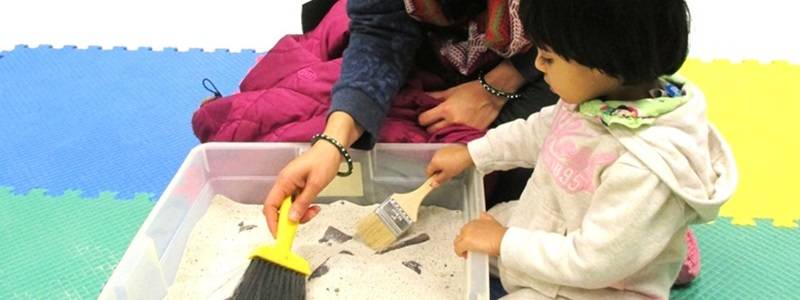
{"x": 745, "y": 262}
{"x": 64, "y": 247}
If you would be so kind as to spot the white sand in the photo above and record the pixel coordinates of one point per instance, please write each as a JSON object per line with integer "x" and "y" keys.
{"x": 216, "y": 255}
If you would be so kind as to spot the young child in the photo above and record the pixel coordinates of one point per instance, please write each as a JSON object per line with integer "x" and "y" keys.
{"x": 624, "y": 162}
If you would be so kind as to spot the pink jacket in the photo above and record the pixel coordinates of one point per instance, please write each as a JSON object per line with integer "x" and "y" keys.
{"x": 286, "y": 96}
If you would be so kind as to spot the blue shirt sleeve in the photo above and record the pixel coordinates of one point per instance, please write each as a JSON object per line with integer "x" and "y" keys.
{"x": 381, "y": 49}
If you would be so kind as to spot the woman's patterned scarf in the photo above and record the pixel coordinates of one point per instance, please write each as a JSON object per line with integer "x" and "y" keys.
{"x": 498, "y": 29}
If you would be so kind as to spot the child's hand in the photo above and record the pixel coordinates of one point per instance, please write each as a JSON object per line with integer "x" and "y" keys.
{"x": 482, "y": 235}
{"x": 447, "y": 163}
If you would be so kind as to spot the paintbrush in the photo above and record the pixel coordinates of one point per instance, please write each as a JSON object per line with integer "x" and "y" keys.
{"x": 392, "y": 217}
{"x": 275, "y": 272}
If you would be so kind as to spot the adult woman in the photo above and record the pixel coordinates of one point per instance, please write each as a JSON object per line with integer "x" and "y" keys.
{"x": 384, "y": 41}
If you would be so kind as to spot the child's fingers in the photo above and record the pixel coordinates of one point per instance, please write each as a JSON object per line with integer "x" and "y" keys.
{"x": 432, "y": 168}
{"x": 435, "y": 170}
{"x": 439, "y": 179}
{"x": 459, "y": 247}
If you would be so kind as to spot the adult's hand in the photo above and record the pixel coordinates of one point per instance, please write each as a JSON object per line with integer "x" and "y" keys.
{"x": 466, "y": 104}
{"x": 469, "y": 103}
{"x": 304, "y": 177}
{"x": 308, "y": 174}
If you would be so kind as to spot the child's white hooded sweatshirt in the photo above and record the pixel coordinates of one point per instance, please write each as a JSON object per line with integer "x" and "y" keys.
{"x": 606, "y": 210}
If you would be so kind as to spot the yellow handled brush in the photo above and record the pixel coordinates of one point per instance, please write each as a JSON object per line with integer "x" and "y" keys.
{"x": 392, "y": 217}
{"x": 274, "y": 271}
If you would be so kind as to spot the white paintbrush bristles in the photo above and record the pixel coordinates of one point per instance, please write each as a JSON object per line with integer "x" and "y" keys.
{"x": 374, "y": 233}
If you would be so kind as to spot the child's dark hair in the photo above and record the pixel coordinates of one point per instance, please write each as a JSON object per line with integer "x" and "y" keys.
{"x": 633, "y": 40}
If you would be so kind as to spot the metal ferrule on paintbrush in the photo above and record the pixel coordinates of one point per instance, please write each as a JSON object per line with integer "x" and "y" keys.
{"x": 393, "y": 216}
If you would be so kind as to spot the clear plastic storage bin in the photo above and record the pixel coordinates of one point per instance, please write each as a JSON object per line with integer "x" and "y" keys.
{"x": 245, "y": 172}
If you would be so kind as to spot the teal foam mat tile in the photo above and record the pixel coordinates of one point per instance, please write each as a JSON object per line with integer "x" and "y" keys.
{"x": 745, "y": 262}
{"x": 66, "y": 246}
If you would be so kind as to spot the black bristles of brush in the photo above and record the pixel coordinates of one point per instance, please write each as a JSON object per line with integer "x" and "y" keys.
{"x": 265, "y": 280}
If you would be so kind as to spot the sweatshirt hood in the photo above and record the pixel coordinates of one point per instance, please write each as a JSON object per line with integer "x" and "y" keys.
{"x": 684, "y": 150}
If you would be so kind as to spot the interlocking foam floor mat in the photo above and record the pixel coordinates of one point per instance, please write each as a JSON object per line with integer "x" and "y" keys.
{"x": 66, "y": 246}
{"x": 745, "y": 262}
{"x": 114, "y": 124}
{"x": 103, "y": 120}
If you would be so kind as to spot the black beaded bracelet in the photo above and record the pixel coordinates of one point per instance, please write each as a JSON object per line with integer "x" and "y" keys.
{"x": 496, "y": 92}
{"x": 342, "y": 150}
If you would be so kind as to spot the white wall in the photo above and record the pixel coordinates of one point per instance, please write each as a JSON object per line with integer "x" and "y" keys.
{"x": 731, "y": 29}
{"x": 745, "y": 29}
{"x": 183, "y": 24}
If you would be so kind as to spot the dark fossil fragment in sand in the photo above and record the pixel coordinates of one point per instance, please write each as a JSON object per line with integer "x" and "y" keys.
{"x": 243, "y": 227}
{"x": 421, "y": 238}
{"x": 333, "y": 234}
{"x": 321, "y": 270}
{"x": 415, "y": 266}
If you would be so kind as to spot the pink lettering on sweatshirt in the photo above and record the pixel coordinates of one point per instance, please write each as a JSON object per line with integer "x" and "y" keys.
{"x": 573, "y": 167}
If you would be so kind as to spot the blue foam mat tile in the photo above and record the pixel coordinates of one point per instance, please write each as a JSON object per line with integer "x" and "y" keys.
{"x": 100, "y": 120}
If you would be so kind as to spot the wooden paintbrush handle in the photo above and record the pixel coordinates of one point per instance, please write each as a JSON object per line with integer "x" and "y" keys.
{"x": 424, "y": 189}
{"x": 411, "y": 201}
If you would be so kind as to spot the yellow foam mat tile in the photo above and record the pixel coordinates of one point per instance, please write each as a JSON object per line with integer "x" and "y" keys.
{"x": 756, "y": 106}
